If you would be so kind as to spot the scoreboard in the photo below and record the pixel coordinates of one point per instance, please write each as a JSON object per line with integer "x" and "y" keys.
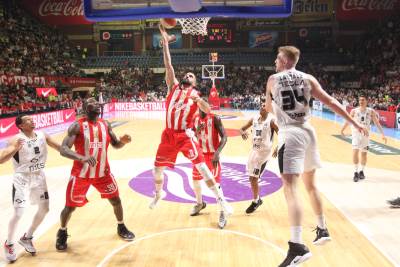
{"x": 220, "y": 34}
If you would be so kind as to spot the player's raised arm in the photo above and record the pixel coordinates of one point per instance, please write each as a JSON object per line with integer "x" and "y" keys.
{"x": 170, "y": 78}
{"x": 221, "y": 131}
{"x": 52, "y": 143}
{"x": 332, "y": 103}
{"x": 375, "y": 119}
{"x": 115, "y": 142}
{"x": 68, "y": 142}
{"x": 13, "y": 147}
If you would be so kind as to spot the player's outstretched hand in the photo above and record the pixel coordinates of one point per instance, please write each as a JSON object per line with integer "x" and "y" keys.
{"x": 215, "y": 160}
{"x": 244, "y": 135}
{"x": 125, "y": 139}
{"x": 90, "y": 160}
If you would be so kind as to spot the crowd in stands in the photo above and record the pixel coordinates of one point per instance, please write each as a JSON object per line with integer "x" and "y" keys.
{"x": 28, "y": 47}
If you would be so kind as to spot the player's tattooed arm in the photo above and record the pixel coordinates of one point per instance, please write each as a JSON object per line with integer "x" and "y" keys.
{"x": 221, "y": 131}
{"x": 67, "y": 143}
{"x": 243, "y": 131}
{"x": 115, "y": 142}
{"x": 13, "y": 147}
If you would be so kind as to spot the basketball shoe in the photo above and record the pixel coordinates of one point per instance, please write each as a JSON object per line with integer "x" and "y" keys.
{"x": 361, "y": 175}
{"x": 222, "y": 221}
{"x": 26, "y": 242}
{"x": 253, "y": 206}
{"x": 9, "y": 251}
{"x": 322, "y": 236}
{"x": 395, "y": 203}
{"x": 124, "y": 233}
{"x": 356, "y": 177}
{"x": 197, "y": 208}
{"x": 156, "y": 198}
{"x": 297, "y": 254}
{"x": 61, "y": 242}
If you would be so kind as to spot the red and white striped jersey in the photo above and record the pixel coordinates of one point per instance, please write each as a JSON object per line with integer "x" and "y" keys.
{"x": 208, "y": 136}
{"x": 93, "y": 140}
{"x": 180, "y": 108}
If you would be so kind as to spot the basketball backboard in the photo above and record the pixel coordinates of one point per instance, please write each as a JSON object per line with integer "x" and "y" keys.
{"x": 106, "y": 10}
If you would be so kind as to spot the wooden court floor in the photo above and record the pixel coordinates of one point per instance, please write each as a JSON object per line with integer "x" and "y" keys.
{"x": 168, "y": 236}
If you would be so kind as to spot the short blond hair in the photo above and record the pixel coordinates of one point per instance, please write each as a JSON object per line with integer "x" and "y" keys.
{"x": 291, "y": 52}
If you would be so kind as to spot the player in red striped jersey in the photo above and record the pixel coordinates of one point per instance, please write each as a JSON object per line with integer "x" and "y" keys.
{"x": 91, "y": 137}
{"x": 182, "y": 103}
{"x": 212, "y": 138}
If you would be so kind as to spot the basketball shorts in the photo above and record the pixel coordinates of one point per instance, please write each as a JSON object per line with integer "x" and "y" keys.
{"x": 77, "y": 189}
{"x": 215, "y": 171}
{"x": 173, "y": 142}
{"x": 257, "y": 162}
{"x": 360, "y": 141}
{"x": 298, "y": 150}
{"x": 29, "y": 185}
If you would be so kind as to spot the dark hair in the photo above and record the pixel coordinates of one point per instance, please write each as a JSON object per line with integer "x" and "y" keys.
{"x": 18, "y": 120}
{"x": 363, "y": 95}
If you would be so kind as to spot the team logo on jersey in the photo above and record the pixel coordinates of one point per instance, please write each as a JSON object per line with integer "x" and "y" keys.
{"x": 179, "y": 184}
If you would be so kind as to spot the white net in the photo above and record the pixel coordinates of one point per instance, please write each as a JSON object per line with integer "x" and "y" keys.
{"x": 194, "y": 26}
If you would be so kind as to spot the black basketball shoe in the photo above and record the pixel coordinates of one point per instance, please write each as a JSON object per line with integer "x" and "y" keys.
{"x": 361, "y": 175}
{"x": 124, "y": 233}
{"x": 356, "y": 177}
{"x": 61, "y": 243}
{"x": 297, "y": 254}
{"x": 395, "y": 203}
{"x": 322, "y": 236}
{"x": 253, "y": 206}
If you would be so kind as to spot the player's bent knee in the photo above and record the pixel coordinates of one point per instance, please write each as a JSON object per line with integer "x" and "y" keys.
{"x": 115, "y": 201}
{"x": 158, "y": 174}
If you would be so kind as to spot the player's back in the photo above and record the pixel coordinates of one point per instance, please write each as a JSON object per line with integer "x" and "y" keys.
{"x": 291, "y": 98}
{"x": 93, "y": 140}
{"x": 33, "y": 154}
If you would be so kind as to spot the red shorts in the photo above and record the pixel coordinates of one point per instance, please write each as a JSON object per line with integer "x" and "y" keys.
{"x": 173, "y": 142}
{"x": 78, "y": 187}
{"x": 215, "y": 171}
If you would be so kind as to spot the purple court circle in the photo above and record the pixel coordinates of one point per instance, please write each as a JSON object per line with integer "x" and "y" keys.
{"x": 234, "y": 182}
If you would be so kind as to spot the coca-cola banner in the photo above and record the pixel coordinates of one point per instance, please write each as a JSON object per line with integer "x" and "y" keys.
{"x": 46, "y": 80}
{"x": 41, "y": 120}
{"x": 366, "y": 9}
{"x": 312, "y": 10}
{"x": 57, "y": 12}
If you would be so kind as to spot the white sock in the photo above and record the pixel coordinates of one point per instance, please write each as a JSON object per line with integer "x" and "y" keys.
{"x": 39, "y": 216}
{"x": 355, "y": 167}
{"x": 362, "y": 168}
{"x": 256, "y": 199}
{"x": 158, "y": 173}
{"x": 321, "y": 221}
{"x": 12, "y": 225}
{"x": 197, "y": 191}
{"x": 295, "y": 234}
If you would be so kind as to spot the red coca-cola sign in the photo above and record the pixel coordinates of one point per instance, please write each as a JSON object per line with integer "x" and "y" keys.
{"x": 57, "y": 12}
{"x": 366, "y": 9}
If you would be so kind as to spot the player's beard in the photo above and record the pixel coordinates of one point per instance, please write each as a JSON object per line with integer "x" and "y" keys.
{"x": 185, "y": 82}
{"x": 92, "y": 115}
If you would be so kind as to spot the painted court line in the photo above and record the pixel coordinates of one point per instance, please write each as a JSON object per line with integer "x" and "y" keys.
{"x": 117, "y": 250}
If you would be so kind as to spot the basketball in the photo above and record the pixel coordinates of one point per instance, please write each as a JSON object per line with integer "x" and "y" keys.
{"x": 168, "y": 23}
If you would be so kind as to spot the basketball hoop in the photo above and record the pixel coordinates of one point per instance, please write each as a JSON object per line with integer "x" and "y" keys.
{"x": 194, "y": 26}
